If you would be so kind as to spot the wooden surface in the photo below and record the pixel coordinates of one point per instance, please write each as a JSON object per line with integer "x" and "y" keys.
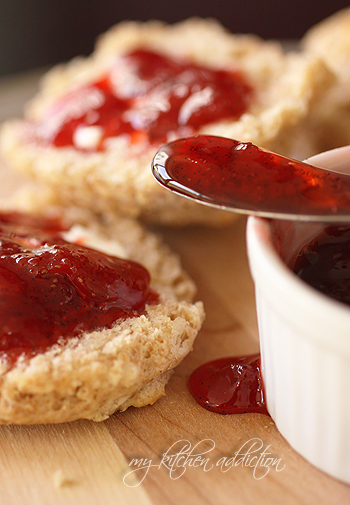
{"x": 87, "y": 463}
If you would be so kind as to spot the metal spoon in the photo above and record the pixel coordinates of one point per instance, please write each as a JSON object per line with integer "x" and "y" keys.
{"x": 242, "y": 177}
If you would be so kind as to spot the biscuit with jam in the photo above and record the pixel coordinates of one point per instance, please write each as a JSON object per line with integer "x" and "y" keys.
{"x": 85, "y": 333}
{"x": 93, "y": 129}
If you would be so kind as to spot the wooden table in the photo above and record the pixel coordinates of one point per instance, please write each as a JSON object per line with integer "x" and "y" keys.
{"x": 87, "y": 463}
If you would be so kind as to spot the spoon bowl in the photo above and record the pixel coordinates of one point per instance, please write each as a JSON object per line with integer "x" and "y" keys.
{"x": 241, "y": 177}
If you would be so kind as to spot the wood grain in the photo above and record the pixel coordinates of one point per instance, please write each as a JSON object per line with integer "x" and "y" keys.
{"x": 87, "y": 463}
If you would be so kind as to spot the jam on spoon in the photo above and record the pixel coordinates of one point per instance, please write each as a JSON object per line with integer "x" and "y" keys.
{"x": 242, "y": 177}
{"x": 52, "y": 289}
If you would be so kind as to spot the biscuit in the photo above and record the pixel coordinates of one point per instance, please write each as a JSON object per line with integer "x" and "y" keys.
{"x": 92, "y": 375}
{"x": 118, "y": 179}
{"x": 330, "y": 40}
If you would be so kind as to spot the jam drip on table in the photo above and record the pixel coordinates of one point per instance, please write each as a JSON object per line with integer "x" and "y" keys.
{"x": 51, "y": 288}
{"x": 324, "y": 263}
{"x": 230, "y": 173}
{"x": 229, "y": 385}
{"x": 148, "y": 97}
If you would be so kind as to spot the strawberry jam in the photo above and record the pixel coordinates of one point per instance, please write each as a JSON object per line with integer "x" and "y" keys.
{"x": 50, "y": 288}
{"x": 148, "y": 97}
{"x": 227, "y": 172}
{"x": 324, "y": 263}
{"x": 229, "y": 385}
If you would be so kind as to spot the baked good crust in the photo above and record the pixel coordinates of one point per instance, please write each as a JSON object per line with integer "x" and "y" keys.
{"x": 92, "y": 376}
{"x": 119, "y": 179}
{"x": 330, "y": 40}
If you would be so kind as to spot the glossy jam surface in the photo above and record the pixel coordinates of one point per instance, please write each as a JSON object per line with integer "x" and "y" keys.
{"x": 324, "y": 263}
{"x": 51, "y": 288}
{"x": 229, "y": 385}
{"x": 234, "y": 174}
{"x": 148, "y": 97}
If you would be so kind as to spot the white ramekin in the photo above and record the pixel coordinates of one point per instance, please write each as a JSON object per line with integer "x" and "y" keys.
{"x": 304, "y": 342}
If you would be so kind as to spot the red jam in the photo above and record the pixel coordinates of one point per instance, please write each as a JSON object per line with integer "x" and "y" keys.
{"x": 324, "y": 263}
{"x": 51, "y": 288}
{"x": 227, "y": 172}
{"x": 221, "y": 171}
{"x": 229, "y": 385}
{"x": 152, "y": 97}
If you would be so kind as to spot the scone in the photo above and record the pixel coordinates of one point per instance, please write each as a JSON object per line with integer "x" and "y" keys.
{"x": 92, "y": 131}
{"x": 330, "y": 40}
{"x": 85, "y": 334}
